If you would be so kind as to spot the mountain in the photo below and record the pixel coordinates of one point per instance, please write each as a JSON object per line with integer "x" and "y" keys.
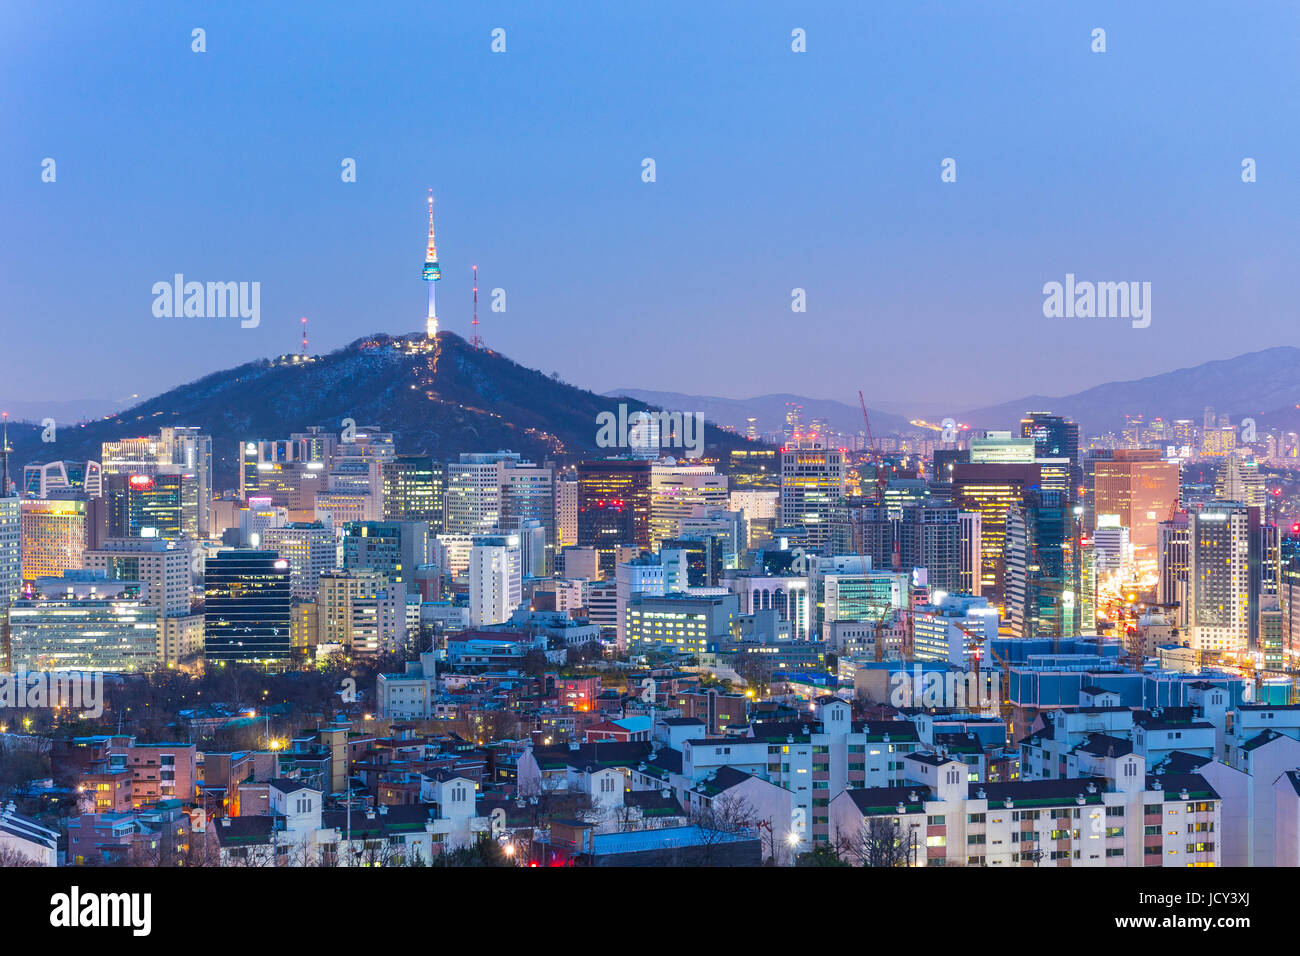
{"x": 439, "y": 402}
{"x": 769, "y": 410}
{"x": 1264, "y": 385}
{"x": 64, "y": 411}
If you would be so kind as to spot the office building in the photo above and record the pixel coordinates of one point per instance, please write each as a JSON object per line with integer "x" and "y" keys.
{"x": 1222, "y": 578}
{"x": 1140, "y": 488}
{"x": 991, "y": 491}
{"x": 415, "y": 490}
{"x": 682, "y": 491}
{"x": 83, "y": 621}
{"x": 393, "y": 548}
{"x": 151, "y": 506}
{"x": 173, "y": 452}
{"x": 495, "y": 579}
{"x": 613, "y": 507}
{"x": 310, "y": 548}
{"x": 246, "y": 608}
{"x": 812, "y": 491}
{"x": 53, "y": 536}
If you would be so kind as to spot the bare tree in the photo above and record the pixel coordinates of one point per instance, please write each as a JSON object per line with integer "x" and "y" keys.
{"x": 880, "y": 842}
{"x": 12, "y": 857}
{"x": 721, "y": 817}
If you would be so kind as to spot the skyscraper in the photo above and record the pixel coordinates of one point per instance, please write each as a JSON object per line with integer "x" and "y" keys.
{"x": 1241, "y": 480}
{"x": 1223, "y": 592}
{"x": 414, "y": 490}
{"x": 53, "y": 536}
{"x": 1042, "y": 576}
{"x": 393, "y": 548}
{"x": 495, "y": 579}
{"x": 992, "y": 490}
{"x": 174, "y": 451}
{"x": 812, "y": 489}
{"x": 310, "y": 548}
{"x": 1172, "y": 545}
{"x": 1053, "y": 435}
{"x": 150, "y": 506}
{"x": 473, "y": 504}
{"x": 1142, "y": 490}
{"x": 613, "y": 507}
{"x": 246, "y": 609}
{"x": 11, "y": 570}
{"x": 682, "y": 491}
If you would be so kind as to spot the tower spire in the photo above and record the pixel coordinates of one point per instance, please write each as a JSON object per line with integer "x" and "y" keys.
{"x": 304, "y": 336}
{"x": 4, "y": 458}
{"x": 474, "y": 339}
{"x": 431, "y": 274}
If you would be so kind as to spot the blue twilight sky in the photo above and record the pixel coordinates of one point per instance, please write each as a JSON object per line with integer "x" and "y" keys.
{"x": 775, "y": 170}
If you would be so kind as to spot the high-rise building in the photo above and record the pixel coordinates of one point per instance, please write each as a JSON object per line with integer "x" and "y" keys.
{"x": 991, "y": 491}
{"x": 53, "y": 536}
{"x": 1142, "y": 489}
{"x": 246, "y": 608}
{"x": 1241, "y": 480}
{"x": 11, "y": 567}
{"x": 969, "y": 524}
{"x": 682, "y": 491}
{"x": 167, "y": 569}
{"x": 1222, "y": 583}
{"x": 174, "y": 451}
{"x": 415, "y": 490}
{"x": 1043, "y": 579}
{"x": 528, "y": 495}
{"x": 1053, "y": 435}
{"x": 495, "y": 579}
{"x": 310, "y": 548}
{"x": 812, "y": 490}
{"x": 566, "y": 513}
{"x": 930, "y": 536}
{"x": 613, "y": 507}
{"x": 361, "y": 612}
{"x": 1172, "y": 547}
{"x": 393, "y": 548}
{"x": 1002, "y": 448}
{"x": 641, "y": 575}
{"x": 473, "y": 503}
{"x": 151, "y": 506}
{"x": 163, "y": 566}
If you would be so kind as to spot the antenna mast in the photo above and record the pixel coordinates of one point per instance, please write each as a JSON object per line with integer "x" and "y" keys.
{"x": 474, "y": 339}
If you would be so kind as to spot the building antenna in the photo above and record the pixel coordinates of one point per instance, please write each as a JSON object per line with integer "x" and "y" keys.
{"x": 474, "y": 339}
{"x": 4, "y": 458}
{"x": 304, "y": 336}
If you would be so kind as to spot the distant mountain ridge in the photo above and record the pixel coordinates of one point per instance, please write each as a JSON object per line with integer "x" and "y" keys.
{"x": 1264, "y": 385}
{"x": 455, "y": 399}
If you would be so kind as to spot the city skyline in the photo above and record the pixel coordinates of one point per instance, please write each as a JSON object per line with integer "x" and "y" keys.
{"x": 538, "y": 187}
